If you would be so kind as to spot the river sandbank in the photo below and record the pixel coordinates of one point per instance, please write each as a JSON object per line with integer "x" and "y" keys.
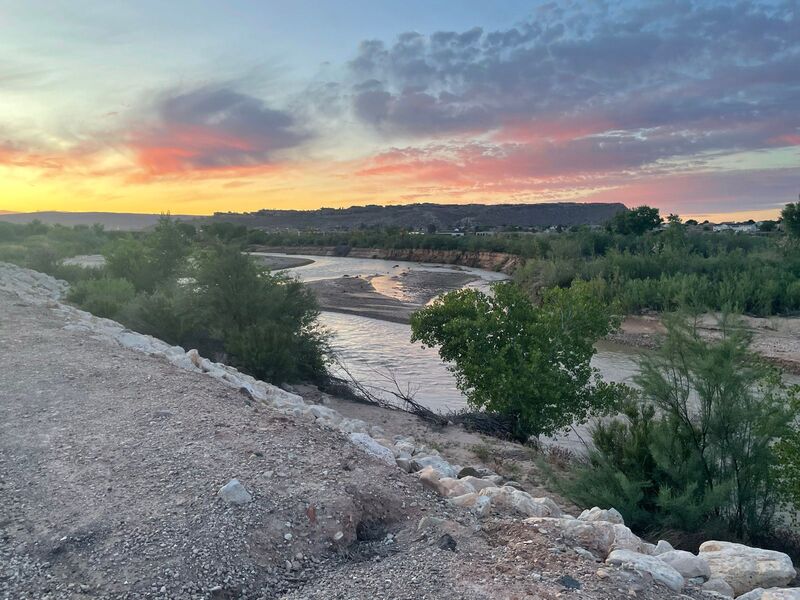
{"x": 277, "y": 263}
{"x": 398, "y": 298}
{"x": 776, "y": 339}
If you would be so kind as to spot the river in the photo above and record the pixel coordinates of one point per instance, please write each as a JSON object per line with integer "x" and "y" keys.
{"x": 374, "y": 349}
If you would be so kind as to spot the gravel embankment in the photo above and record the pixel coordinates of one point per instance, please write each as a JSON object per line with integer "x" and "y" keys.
{"x": 111, "y": 460}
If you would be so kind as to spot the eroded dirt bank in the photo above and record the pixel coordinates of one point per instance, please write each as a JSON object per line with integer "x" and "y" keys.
{"x": 491, "y": 261}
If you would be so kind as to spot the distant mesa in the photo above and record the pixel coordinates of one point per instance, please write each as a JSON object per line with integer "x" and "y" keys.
{"x": 417, "y": 217}
{"x": 420, "y": 216}
{"x": 111, "y": 221}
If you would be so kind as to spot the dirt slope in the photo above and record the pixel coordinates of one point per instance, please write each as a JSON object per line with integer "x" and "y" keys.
{"x": 110, "y": 461}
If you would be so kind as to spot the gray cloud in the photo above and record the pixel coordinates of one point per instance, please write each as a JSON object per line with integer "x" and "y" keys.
{"x": 717, "y": 74}
{"x": 212, "y": 127}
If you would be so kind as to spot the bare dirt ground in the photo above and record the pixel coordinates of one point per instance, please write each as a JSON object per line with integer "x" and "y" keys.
{"x": 777, "y": 339}
{"x": 110, "y": 461}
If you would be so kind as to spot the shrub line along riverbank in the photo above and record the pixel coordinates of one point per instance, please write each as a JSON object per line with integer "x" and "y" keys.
{"x": 500, "y": 529}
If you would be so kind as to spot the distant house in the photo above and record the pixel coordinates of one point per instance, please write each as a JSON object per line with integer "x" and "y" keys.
{"x": 737, "y": 227}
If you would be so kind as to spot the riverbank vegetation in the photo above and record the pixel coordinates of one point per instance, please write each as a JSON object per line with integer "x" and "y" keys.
{"x": 188, "y": 287}
{"x": 634, "y": 261}
{"x": 697, "y": 447}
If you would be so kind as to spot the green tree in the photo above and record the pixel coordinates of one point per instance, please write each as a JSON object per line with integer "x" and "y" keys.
{"x": 787, "y": 450}
{"x": 151, "y": 260}
{"x": 129, "y": 259}
{"x": 530, "y": 363}
{"x": 267, "y": 323}
{"x": 698, "y": 451}
{"x": 635, "y": 221}
{"x": 791, "y": 219}
{"x": 767, "y": 226}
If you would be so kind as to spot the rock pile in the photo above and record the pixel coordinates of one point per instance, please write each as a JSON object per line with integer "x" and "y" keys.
{"x": 727, "y": 569}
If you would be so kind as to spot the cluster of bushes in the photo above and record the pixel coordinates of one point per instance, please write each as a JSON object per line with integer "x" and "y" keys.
{"x": 707, "y": 443}
{"x": 668, "y": 269}
{"x": 43, "y": 247}
{"x": 188, "y": 287}
{"x": 758, "y": 283}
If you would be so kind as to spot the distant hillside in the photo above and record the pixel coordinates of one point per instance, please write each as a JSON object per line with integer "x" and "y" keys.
{"x": 419, "y": 216}
{"x": 111, "y": 221}
{"x": 408, "y": 216}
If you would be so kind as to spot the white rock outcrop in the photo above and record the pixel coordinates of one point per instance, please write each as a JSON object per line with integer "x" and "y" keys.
{"x": 745, "y": 568}
{"x": 687, "y": 564}
{"x": 644, "y": 563}
{"x": 599, "y": 514}
{"x": 369, "y": 445}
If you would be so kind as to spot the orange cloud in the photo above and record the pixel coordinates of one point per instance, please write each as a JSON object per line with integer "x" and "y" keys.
{"x": 178, "y": 148}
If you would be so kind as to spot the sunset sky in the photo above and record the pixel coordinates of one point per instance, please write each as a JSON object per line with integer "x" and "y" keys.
{"x": 194, "y": 107}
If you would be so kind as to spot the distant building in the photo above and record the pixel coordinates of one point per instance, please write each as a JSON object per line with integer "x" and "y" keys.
{"x": 737, "y": 227}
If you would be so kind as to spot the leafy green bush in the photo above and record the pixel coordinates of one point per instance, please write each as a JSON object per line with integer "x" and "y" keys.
{"x": 635, "y": 221}
{"x": 791, "y": 219}
{"x": 697, "y": 452}
{"x": 528, "y": 362}
{"x": 102, "y": 297}
{"x": 266, "y": 322}
{"x": 150, "y": 260}
{"x": 171, "y": 314}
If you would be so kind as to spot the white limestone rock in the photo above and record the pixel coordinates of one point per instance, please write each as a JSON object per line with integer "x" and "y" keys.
{"x": 437, "y": 462}
{"x": 746, "y": 568}
{"x": 598, "y": 514}
{"x": 718, "y": 586}
{"x": 772, "y": 594}
{"x": 480, "y": 505}
{"x": 643, "y": 563}
{"x": 661, "y": 547}
{"x": 687, "y": 564}
{"x": 234, "y": 492}
{"x": 597, "y": 536}
{"x": 368, "y": 444}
